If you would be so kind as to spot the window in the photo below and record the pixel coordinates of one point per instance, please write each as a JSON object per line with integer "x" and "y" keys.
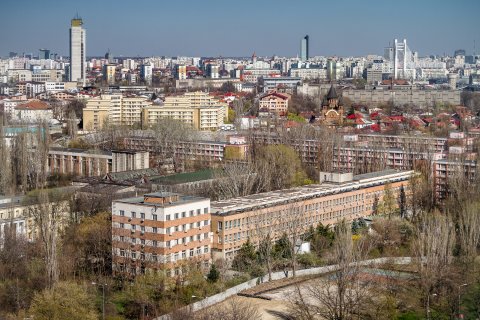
{"x": 122, "y": 253}
{"x": 122, "y": 238}
{"x": 122, "y": 225}
{"x": 205, "y": 235}
{"x": 175, "y": 257}
{"x": 184, "y": 254}
{"x": 199, "y": 250}
{"x": 191, "y": 252}
{"x": 205, "y": 249}
{"x": 192, "y": 213}
{"x": 142, "y": 256}
{"x": 176, "y": 228}
{"x": 154, "y": 229}
{"x": 134, "y": 240}
{"x": 167, "y": 217}
{"x": 134, "y": 215}
{"x": 220, "y": 225}
{"x": 205, "y": 210}
{"x": 205, "y": 223}
{"x": 154, "y": 257}
{"x": 154, "y": 243}
{"x": 154, "y": 217}
{"x": 142, "y": 228}
{"x": 142, "y": 215}
{"x": 184, "y": 214}
{"x": 168, "y": 244}
{"x": 122, "y": 213}
{"x": 199, "y": 211}
{"x": 134, "y": 254}
{"x": 142, "y": 241}
{"x": 134, "y": 227}
{"x": 176, "y": 215}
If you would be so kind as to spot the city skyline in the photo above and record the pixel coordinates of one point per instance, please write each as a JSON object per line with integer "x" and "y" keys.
{"x": 342, "y": 28}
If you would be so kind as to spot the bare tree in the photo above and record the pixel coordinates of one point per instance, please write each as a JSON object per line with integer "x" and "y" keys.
{"x": 341, "y": 296}
{"x": 48, "y": 210}
{"x": 433, "y": 250}
{"x": 232, "y": 309}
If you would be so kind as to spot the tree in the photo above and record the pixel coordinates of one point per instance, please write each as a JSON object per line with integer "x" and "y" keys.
{"x": 213, "y": 274}
{"x": 66, "y": 300}
{"x": 402, "y": 202}
{"x": 342, "y": 297}
{"x": 233, "y": 309}
{"x": 245, "y": 258}
{"x": 228, "y": 87}
{"x": 433, "y": 250}
{"x": 387, "y": 206}
{"x": 48, "y": 209}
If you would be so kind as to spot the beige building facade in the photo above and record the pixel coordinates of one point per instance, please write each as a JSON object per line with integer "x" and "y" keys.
{"x": 296, "y": 210}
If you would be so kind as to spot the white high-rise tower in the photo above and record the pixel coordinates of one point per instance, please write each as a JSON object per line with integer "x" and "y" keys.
{"x": 77, "y": 51}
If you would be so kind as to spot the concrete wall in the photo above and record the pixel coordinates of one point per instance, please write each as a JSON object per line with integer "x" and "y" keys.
{"x": 210, "y": 301}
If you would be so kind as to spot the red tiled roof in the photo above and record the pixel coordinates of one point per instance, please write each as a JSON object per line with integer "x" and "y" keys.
{"x": 34, "y": 105}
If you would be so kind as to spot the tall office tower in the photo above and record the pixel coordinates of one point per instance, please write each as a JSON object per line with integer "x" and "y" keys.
{"x": 402, "y": 60}
{"x": 77, "y": 51}
{"x": 304, "y": 48}
{"x": 43, "y": 54}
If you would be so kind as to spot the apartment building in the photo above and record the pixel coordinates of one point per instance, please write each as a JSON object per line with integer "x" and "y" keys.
{"x": 274, "y": 102}
{"x": 197, "y": 109}
{"x": 114, "y": 108}
{"x": 339, "y": 196}
{"x": 160, "y": 231}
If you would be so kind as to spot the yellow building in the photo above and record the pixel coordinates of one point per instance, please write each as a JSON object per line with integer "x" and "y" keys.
{"x": 115, "y": 109}
{"x": 197, "y": 109}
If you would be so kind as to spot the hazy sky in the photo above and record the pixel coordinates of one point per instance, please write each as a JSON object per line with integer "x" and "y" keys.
{"x": 237, "y": 28}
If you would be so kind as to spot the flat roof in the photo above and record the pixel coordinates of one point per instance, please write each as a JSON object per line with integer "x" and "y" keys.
{"x": 183, "y": 199}
{"x": 200, "y": 175}
{"x": 76, "y": 150}
{"x": 285, "y": 196}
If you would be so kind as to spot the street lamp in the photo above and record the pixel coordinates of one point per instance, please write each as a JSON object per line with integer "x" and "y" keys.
{"x": 103, "y": 297}
{"x": 459, "y": 287}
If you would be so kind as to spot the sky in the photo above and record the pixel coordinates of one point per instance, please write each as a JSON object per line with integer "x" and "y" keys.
{"x": 241, "y": 27}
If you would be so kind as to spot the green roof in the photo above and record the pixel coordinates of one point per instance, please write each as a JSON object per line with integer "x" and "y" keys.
{"x": 205, "y": 174}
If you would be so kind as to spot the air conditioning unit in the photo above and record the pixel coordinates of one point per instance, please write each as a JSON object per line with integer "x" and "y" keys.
{"x": 142, "y": 232}
{"x": 185, "y": 230}
{"x": 142, "y": 221}
{"x": 134, "y": 259}
{"x": 143, "y": 246}
{"x": 170, "y": 233}
{"x": 185, "y": 243}
{"x": 129, "y": 219}
{"x": 132, "y": 231}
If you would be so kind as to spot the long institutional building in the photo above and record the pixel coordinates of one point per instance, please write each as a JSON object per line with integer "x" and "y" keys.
{"x": 167, "y": 231}
{"x": 197, "y": 109}
{"x": 339, "y": 196}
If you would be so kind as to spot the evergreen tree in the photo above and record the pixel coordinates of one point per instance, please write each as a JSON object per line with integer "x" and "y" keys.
{"x": 213, "y": 274}
{"x": 402, "y": 202}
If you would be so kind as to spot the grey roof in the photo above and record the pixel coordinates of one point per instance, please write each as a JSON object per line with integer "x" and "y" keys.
{"x": 332, "y": 93}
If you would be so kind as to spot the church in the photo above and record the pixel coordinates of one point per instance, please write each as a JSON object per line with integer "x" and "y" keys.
{"x": 332, "y": 108}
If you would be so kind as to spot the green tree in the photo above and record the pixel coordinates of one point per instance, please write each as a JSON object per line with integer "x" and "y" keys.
{"x": 246, "y": 257}
{"x": 213, "y": 274}
{"x": 66, "y": 300}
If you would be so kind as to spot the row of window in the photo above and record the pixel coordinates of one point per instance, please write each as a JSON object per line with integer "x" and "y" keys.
{"x": 169, "y": 244}
{"x": 304, "y": 223}
{"x": 169, "y": 230}
{"x": 167, "y": 258}
{"x": 168, "y": 217}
